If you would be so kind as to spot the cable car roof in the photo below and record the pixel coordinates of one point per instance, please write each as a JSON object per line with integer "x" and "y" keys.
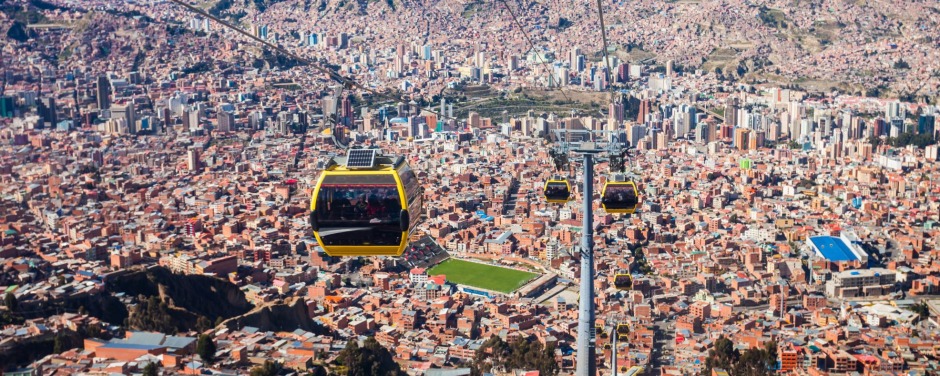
{"x": 381, "y": 163}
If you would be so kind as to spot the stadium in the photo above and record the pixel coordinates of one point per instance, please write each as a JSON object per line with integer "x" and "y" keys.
{"x": 482, "y": 279}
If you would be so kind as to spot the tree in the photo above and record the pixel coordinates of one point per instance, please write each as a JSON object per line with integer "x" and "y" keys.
{"x": 770, "y": 348}
{"x": 92, "y": 330}
{"x": 921, "y": 309}
{"x": 57, "y": 346}
{"x": 523, "y": 354}
{"x": 9, "y": 300}
{"x": 268, "y": 369}
{"x": 152, "y": 314}
{"x": 753, "y": 362}
{"x": 721, "y": 356}
{"x": 18, "y": 32}
{"x": 205, "y": 347}
{"x": 151, "y": 369}
{"x": 317, "y": 371}
{"x": 203, "y": 324}
{"x": 905, "y": 139}
{"x": 370, "y": 359}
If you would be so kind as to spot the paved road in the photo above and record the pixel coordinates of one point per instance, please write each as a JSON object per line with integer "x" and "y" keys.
{"x": 664, "y": 344}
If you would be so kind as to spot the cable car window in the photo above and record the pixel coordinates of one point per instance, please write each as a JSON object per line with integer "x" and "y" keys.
{"x": 557, "y": 191}
{"x": 413, "y": 192}
{"x": 410, "y": 181}
{"x": 620, "y": 197}
{"x": 351, "y": 213}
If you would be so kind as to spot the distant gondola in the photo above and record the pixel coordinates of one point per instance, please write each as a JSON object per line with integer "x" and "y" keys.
{"x": 623, "y": 331}
{"x": 365, "y": 204}
{"x": 623, "y": 282}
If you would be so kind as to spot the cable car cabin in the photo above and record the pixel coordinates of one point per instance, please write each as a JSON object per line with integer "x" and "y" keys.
{"x": 623, "y": 331}
{"x": 599, "y": 332}
{"x": 623, "y": 282}
{"x": 620, "y": 197}
{"x": 365, "y": 204}
{"x": 557, "y": 191}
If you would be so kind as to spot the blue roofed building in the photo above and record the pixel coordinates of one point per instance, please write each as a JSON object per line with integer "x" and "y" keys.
{"x": 845, "y": 247}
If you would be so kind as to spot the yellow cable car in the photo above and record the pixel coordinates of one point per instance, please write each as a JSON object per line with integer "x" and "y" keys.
{"x": 557, "y": 191}
{"x": 365, "y": 204}
{"x": 623, "y": 331}
{"x": 620, "y": 197}
{"x": 623, "y": 282}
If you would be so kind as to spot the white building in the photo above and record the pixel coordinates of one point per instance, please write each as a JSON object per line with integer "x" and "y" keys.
{"x": 867, "y": 282}
{"x": 418, "y": 275}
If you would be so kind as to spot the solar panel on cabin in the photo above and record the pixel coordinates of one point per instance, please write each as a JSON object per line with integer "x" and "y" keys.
{"x": 360, "y": 158}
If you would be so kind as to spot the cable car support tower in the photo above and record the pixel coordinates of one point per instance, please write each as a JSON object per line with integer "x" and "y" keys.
{"x": 583, "y": 142}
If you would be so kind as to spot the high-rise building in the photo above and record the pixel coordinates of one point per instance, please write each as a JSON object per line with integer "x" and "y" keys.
{"x": 741, "y": 139}
{"x": 126, "y": 112}
{"x": 347, "y": 112}
{"x": 894, "y": 127}
{"x": 7, "y": 106}
{"x": 635, "y": 133}
{"x": 474, "y": 121}
{"x": 687, "y": 121}
{"x": 925, "y": 125}
{"x": 615, "y": 112}
{"x": 256, "y": 120}
{"x": 426, "y": 52}
{"x": 806, "y": 128}
{"x": 191, "y": 118}
{"x": 192, "y": 159}
{"x": 103, "y": 92}
{"x": 623, "y": 73}
{"x": 644, "y": 111}
{"x": 932, "y": 152}
{"x": 47, "y": 113}
{"x": 512, "y": 63}
{"x": 879, "y": 127}
{"x": 731, "y": 111}
{"x": 755, "y": 140}
{"x": 562, "y": 74}
{"x": 576, "y": 60}
{"x": 226, "y": 121}
{"x": 797, "y": 112}
{"x": 894, "y": 110}
{"x": 773, "y": 128}
{"x": 702, "y": 134}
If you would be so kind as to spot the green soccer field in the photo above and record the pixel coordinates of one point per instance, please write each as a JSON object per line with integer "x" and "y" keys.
{"x": 483, "y": 276}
